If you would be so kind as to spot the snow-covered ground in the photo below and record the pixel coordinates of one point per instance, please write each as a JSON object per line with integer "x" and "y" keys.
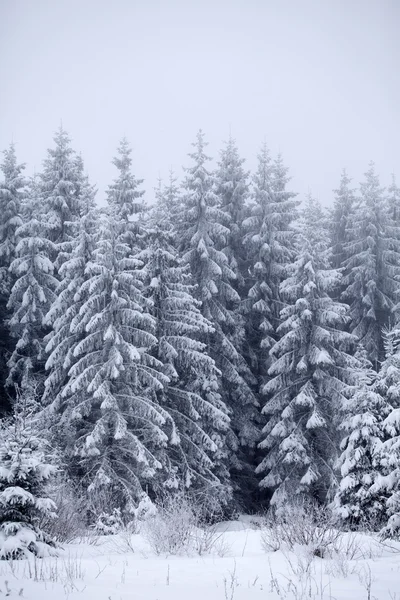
{"x": 124, "y": 568}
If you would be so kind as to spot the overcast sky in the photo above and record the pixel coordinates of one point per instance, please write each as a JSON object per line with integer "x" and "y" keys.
{"x": 318, "y": 79}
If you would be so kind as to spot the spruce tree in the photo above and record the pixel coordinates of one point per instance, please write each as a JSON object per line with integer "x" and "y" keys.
{"x": 308, "y": 375}
{"x": 270, "y": 242}
{"x": 125, "y": 197}
{"x": 204, "y": 235}
{"x": 11, "y": 196}
{"x": 24, "y": 472}
{"x": 64, "y": 311}
{"x": 356, "y": 502}
{"x": 340, "y": 219}
{"x": 387, "y": 456}
{"x": 32, "y": 293}
{"x": 60, "y": 188}
{"x": 199, "y": 420}
{"x": 372, "y": 267}
{"x": 112, "y": 389}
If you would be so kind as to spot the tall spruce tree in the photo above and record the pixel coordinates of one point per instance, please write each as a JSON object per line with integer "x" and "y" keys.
{"x": 342, "y": 213}
{"x": 196, "y": 456}
{"x": 64, "y": 311}
{"x": 112, "y": 390}
{"x": 125, "y": 197}
{"x": 270, "y": 242}
{"x": 204, "y": 234}
{"x": 11, "y": 196}
{"x": 60, "y": 188}
{"x": 372, "y": 267}
{"x": 308, "y": 375}
{"x": 32, "y": 293}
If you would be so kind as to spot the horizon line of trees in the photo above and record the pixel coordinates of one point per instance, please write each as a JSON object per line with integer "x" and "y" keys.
{"x": 226, "y": 340}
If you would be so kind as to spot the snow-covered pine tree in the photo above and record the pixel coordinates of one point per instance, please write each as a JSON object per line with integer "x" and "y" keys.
{"x": 168, "y": 206}
{"x": 232, "y": 190}
{"x": 11, "y": 196}
{"x": 387, "y": 456}
{"x": 24, "y": 472}
{"x": 204, "y": 235}
{"x": 191, "y": 397}
{"x": 270, "y": 241}
{"x": 308, "y": 375}
{"x": 32, "y": 293}
{"x": 60, "y": 188}
{"x": 62, "y": 341}
{"x": 120, "y": 430}
{"x": 126, "y": 198}
{"x": 372, "y": 267}
{"x": 341, "y": 215}
{"x": 394, "y": 201}
{"x": 357, "y": 503}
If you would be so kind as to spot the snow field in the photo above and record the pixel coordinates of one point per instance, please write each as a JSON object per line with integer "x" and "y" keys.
{"x": 123, "y": 567}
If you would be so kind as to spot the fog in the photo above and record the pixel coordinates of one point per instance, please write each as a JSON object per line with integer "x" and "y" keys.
{"x": 318, "y": 80}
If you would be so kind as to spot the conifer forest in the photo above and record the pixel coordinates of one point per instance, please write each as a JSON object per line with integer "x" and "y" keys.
{"x": 221, "y": 338}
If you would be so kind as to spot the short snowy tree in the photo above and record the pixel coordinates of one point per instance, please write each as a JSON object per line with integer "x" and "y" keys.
{"x": 387, "y": 456}
{"x": 308, "y": 375}
{"x": 356, "y": 503}
{"x": 31, "y": 294}
{"x": 24, "y": 472}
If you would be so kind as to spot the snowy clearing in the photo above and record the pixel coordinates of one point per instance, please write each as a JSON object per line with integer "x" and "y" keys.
{"x": 123, "y": 567}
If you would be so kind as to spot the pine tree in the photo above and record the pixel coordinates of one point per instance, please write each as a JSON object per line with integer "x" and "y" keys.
{"x": 24, "y": 472}
{"x": 308, "y": 375}
{"x": 394, "y": 201}
{"x": 60, "y": 188}
{"x": 270, "y": 242}
{"x": 119, "y": 427}
{"x": 191, "y": 397}
{"x": 340, "y": 220}
{"x": 372, "y": 267}
{"x": 387, "y": 456}
{"x": 232, "y": 191}
{"x": 204, "y": 235}
{"x": 168, "y": 207}
{"x": 125, "y": 196}
{"x": 11, "y": 196}
{"x": 31, "y": 294}
{"x": 356, "y": 501}
{"x": 62, "y": 341}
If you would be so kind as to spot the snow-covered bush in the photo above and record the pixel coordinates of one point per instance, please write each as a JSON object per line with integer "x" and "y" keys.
{"x": 171, "y": 529}
{"x": 304, "y": 524}
{"x": 109, "y": 523}
{"x": 24, "y": 470}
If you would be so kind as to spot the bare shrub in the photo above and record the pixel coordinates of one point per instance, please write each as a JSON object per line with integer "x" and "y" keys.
{"x": 303, "y": 524}
{"x": 208, "y": 539}
{"x": 171, "y": 529}
{"x": 70, "y": 522}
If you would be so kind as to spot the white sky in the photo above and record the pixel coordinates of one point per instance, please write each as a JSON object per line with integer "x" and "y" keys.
{"x": 318, "y": 79}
